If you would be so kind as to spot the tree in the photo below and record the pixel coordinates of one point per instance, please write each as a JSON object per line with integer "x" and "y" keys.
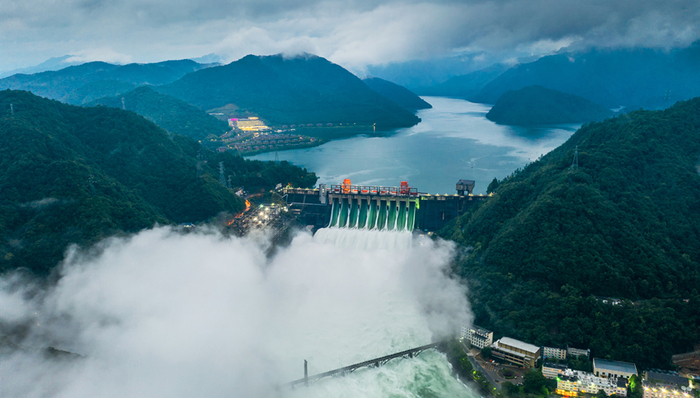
{"x": 601, "y": 394}
{"x": 486, "y": 352}
{"x": 511, "y": 389}
{"x": 533, "y": 382}
{"x": 492, "y": 186}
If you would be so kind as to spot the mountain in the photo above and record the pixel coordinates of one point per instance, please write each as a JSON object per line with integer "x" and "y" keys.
{"x": 647, "y": 78}
{"x": 535, "y": 105}
{"x": 281, "y": 90}
{"x": 53, "y": 63}
{"x": 464, "y": 86}
{"x": 554, "y": 245}
{"x": 399, "y": 94}
{"x": 173, "y": 115}
{"x": 69, "y": 84}
{"x": 77, "y": 175}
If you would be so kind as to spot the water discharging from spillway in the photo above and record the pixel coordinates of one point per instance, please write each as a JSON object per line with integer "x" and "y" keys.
{"x": 400, "y": 325}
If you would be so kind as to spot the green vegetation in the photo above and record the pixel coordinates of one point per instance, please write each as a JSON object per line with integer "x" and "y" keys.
{"x": 82, "y": 83}
{"x": 284, "y": 91}
{"x": 173, "y": 115}
{"x": 78, "y": 175}
{"x": 624, "y": 224}
{"x": 399, "y": 94}
{"x": 534, "y": 385}
{"x": 534, "y": 105}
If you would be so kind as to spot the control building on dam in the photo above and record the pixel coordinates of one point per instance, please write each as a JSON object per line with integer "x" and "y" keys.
{"x": 400, "y": 208}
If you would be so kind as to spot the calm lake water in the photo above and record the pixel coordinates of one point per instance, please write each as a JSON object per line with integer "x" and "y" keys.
{"x": 454, "y": 141}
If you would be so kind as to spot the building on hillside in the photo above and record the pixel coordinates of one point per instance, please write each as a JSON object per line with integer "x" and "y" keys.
{"x": 516, "y": 351}
{"x": 575, "y": 382}
{"x": 666, "y": 385}
{"x": 577, "y": 352}
{"x": 553, "y": 370}
{"x": 605, "y": 368}
{"x": 477, "y": 337}
{"x": 551, "y": 352}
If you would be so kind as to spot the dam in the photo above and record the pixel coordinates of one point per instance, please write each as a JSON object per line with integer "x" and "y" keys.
{"x": 401, "y": 208}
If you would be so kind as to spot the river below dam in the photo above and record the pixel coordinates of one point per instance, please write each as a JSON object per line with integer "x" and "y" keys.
{"x": 454, "y": 141}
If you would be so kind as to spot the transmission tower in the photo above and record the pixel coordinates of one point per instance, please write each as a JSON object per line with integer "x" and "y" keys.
{"x": 228, "y": 183}
{"x": 574, "y": 164}
{"x": 12, "y": 109}
{"x": 277, "y": 156}
{"x": 222, "y": 178}
{"x": 123, "y": 105}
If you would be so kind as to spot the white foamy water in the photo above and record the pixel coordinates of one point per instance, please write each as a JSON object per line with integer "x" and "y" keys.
{"x": 365, "y": 239}
{"x": 164, "y": 314}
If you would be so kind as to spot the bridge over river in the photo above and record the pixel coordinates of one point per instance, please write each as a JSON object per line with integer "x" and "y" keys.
{"x": 376, "y": 362}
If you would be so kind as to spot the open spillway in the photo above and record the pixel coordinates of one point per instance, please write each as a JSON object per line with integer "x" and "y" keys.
{"x": 380, "y": 214}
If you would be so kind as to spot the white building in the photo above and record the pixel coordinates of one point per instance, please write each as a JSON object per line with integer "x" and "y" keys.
{"x": 551, "y": 352}
{"x": 553, "y": 370}
{"x": 516, "y": 352}
{"x": 577, "y": 352}
{"x": 574, "y": 382}
{"x": 477, "y": 337}
{"x": 605, "y": 368}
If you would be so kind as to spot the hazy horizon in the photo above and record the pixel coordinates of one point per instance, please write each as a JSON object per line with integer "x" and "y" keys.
{"x": 354, "y": 35}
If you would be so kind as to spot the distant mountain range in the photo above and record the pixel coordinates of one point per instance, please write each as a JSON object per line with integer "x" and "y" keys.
{"x": 399, "y": 94}
{"x": 464, "y": 86}
{"x": 86, "y": 82}
{"x": 536, "y": 105}
{"x": 631, "y": 78}
{"x": 613, "y": 78}
{"x": 281, "y": 90}
{"x": 301, "y": 90}
{"x": 72, "y": 174}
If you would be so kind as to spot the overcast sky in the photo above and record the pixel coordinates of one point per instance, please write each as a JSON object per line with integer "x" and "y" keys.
{"x": 353, "y": 33}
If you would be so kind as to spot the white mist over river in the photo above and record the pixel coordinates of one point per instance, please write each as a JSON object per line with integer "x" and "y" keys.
{"x": 179, "y": 315}
{"x": 454, "y": 141}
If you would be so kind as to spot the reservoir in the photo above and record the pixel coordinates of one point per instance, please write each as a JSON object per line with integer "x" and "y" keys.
{"x": 454, "y": 141}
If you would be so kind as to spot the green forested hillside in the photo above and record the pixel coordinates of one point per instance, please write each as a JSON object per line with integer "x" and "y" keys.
{"x": 399, "y": 94}
{"x": 624, "y": 224}
{"x": 82, "y": 83}
{"x": 172, "y": 114}
{"x": 536, "y": 105}
{"x": 281, "y": 90}
{"x": 76, "y": 175}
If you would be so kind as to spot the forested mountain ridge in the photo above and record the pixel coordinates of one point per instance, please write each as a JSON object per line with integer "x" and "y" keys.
{"x": 624, "y": 224}
{"x": 536, "y": 105}
{"x": 76, "y": 175}
{"x": 173, "y": 115}
{"x": 399, "y": 94}
{"x": 83, "y": 83}
{"x": 651, "y": 79}
{"x": 281, "y": 90}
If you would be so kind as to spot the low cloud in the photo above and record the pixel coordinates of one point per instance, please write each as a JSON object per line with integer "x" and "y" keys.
{"x": 166, "y": 314}
{"x": 353, "y": 34}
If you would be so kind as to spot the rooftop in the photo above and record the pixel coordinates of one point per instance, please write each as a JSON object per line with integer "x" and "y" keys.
{"x": 661, "y": 378}
{"x": 614, "y": 366}
{"x": 518, "y": 344}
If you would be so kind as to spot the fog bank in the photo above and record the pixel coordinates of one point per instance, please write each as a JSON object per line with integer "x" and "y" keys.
{"x": 166, "y": 314}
